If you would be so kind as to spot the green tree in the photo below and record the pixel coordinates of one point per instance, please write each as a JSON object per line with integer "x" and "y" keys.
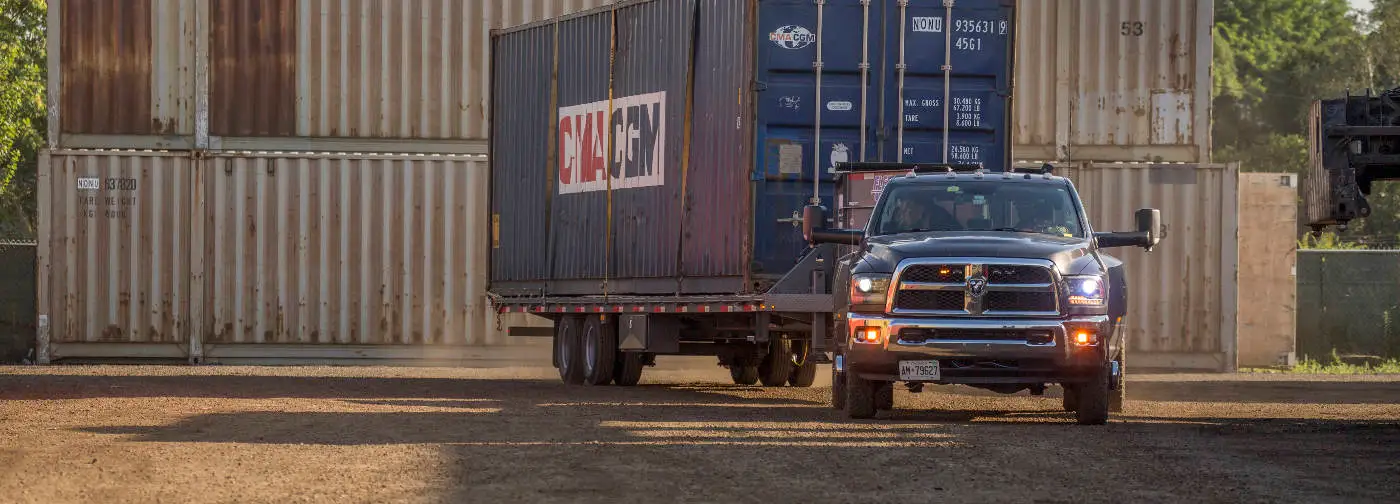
{"x": 23, "y": 70}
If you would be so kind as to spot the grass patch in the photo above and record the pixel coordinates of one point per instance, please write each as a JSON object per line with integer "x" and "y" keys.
{"x": 1338, "y": 365}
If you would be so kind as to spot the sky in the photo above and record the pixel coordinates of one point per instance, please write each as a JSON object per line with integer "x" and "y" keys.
{"x": 1360, "y": 4}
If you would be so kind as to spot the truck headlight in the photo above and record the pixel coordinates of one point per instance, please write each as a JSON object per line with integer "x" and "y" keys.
{"x": 1086, "y": 290}
{"x": 869, "y": 290}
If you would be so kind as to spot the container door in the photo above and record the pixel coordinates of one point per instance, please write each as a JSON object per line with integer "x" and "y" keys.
{"x": 974, "y": 37}
{"x": 789, "y": 107}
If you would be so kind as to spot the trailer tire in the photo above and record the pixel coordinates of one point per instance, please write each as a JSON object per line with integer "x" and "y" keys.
{"x": 743, "y": 374}
{"x": 628, "y": 370}
{"x": 804, "y": 375}
{"x": 568, "y": 338}
{"x": 1092, "y": 407}
{"x": 777, "y": 365}
{"x": 860, "y": 396}
{"x": 599, "y": 351}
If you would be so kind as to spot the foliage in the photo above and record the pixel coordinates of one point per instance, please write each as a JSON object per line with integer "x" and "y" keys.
{"x": 1336, "y": 365}
{"x": 23, "y": 70}
{"x": 1328, "y": 241}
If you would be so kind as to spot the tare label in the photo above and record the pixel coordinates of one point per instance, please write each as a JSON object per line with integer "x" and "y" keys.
{"x": 635, "y": 129}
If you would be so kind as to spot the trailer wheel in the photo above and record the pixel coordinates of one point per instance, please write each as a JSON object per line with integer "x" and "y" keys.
{"x": 860, "y": 396}
{"x": 1092, "y": 407}
{"x": 743, "y": 374}
{"x": 804, "y": 367}
{"x": 627, "y": 372}
{"x": 599, "y": 351}
{"x": 568, "y": 338}
{"x": 777, "y": 365}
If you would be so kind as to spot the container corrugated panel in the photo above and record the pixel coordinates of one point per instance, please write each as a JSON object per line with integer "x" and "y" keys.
{"x": 1182, "y": 295}
{"x": 410, "y": 69}
{"x": 118, "y": 246}
{"x": 345, "y": 249}
{"x": 718, "y": 198}
{"x": 751, "y": 134}
{"x": 252, "y": 68}
{"x": 1114, "y": 80}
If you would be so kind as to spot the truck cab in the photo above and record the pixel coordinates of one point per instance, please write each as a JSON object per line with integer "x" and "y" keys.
{"x": 992, "y": 280}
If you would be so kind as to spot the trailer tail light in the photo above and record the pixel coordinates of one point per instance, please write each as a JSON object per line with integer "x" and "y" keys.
{"x": 868, "y": 335}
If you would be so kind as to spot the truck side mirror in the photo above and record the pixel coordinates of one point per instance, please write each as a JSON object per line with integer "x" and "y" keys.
{"x": 1149, "y": 222}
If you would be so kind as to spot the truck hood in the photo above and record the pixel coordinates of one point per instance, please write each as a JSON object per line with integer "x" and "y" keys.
{"x": 1072, "y": 256}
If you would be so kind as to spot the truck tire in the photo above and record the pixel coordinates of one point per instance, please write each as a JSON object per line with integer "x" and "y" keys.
{"x": 599, "y": 351}
{"x": 627, "y": 371}
{"x": 1071, "y": 398}
{"x": 1118, "y": 396}
{"x": 568, "y": 339}
{"x": 777, "y": 365}
{"x": 884, "y": 396}
{"x": 743, "y": 374}
{"x": 838, "y": 389}
{"x": 804, "y": 372}
{"x": 860, "y": 396}
{"x": 1092, "y": 407}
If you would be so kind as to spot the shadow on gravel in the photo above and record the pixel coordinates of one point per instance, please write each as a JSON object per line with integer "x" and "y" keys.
{"x": 1272, "y": 391}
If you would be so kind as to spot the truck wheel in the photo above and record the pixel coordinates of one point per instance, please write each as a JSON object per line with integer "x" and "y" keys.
{"x": 804, "y": 370}
{"x": 599, "y": 351}
{"x": 777, "y": 365}
{"x": 1093, "y": 399}
{"x": 884, "y": 396}
{"x": 838, "y": 389}
{"x": 1071, "y": 399}
{"x": 627, "y": 371}
{"x": 1119, "y": 395}
{"x": 743, "y": 374}
{"x": 568, "y": 338}
{"x": 860, "y": 396}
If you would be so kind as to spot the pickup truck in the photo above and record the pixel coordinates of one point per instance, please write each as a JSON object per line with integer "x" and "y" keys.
{"x": 992, "y": 280}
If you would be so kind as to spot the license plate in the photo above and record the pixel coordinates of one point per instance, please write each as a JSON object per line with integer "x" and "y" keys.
{"x": 918, "y": 370}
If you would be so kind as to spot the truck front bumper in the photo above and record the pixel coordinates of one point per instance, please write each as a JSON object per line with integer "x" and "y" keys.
{"x": 979, "y": 350}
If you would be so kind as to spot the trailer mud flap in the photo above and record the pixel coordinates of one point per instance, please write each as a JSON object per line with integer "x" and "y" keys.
{"x": 647, "y": 333}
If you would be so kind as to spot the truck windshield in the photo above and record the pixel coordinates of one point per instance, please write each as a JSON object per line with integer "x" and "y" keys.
{"x": 978, "y": 206}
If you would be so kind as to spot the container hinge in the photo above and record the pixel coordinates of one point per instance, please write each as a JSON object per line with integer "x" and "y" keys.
{"x": 948, "y": 3}
{"x": 760, "y": 86}
{"x": 818, "y": 65}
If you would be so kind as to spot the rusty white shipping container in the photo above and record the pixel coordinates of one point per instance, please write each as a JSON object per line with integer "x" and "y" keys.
{"x": 1183, "y": 296}
{"x": 161, "y": 254}
{"x": 1096, "y": 80}
{"x": 1113, "y": 80}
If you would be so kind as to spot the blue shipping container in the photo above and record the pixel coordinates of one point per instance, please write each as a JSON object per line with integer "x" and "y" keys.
{"x": 713, "y": 118}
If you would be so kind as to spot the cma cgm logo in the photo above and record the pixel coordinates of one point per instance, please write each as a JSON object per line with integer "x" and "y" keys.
{"x": 792, "y": 37}
{"x": 637, "y": 128}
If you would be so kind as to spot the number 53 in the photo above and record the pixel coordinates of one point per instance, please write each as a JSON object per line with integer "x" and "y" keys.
{"x": 1131, "y": 28}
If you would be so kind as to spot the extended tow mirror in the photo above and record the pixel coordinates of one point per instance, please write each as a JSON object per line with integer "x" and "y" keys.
{"x": 813, "y": 230}
{"x": 1148, "y": 234}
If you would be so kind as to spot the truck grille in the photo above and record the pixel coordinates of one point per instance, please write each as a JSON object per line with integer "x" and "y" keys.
{"x": 976, "y": 288}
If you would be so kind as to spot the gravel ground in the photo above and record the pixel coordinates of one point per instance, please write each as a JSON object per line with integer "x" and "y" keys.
{"x": 513, "y": 433}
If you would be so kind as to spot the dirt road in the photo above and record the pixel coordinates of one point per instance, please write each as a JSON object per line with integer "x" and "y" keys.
{"x": 514, "y": 434}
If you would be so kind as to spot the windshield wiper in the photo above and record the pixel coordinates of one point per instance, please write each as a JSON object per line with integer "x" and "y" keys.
{"x": 1016, "y": 230}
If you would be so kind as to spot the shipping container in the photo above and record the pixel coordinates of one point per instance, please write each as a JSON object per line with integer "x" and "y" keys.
{"x": 1114, "y": 80}
{"x": 726, "y": 111}
{"x": 165, "y": 254}
{"x": 277, "y": 74}
{"x": 1183, "y": 310}
{"x": 1096, "y": 80}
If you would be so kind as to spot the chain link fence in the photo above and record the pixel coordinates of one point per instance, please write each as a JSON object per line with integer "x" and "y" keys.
{"x": 18, "y": 294}
{"x": 1348, "y": 302}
